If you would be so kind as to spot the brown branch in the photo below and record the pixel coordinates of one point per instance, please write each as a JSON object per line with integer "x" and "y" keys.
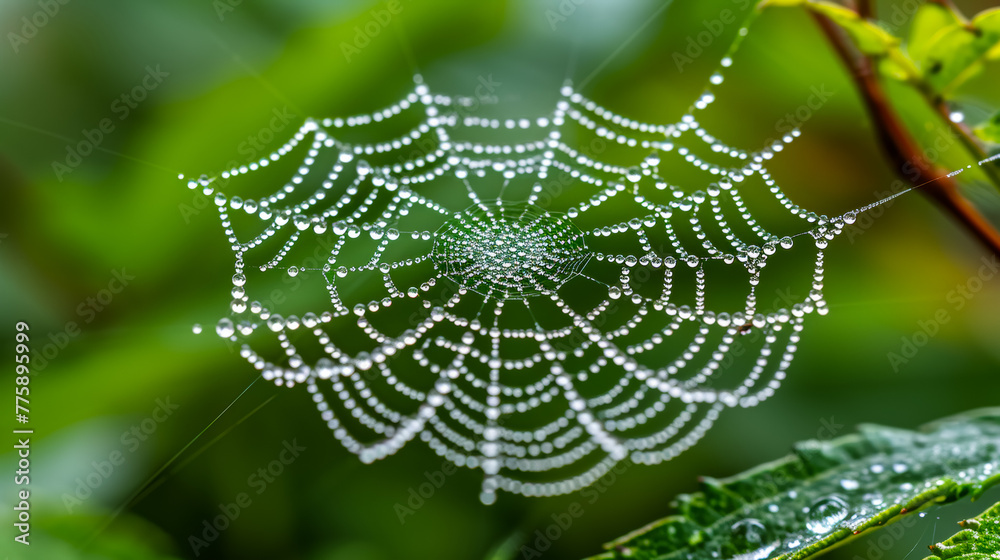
{"x": 900, "y": 147}
{"x": 866, "y": 9}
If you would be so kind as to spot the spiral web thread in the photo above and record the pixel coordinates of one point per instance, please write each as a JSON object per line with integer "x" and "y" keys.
{"x": 511, "y": 372}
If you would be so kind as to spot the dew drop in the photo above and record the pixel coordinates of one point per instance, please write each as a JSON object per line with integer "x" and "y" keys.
{"x": 196, "y": 328}
{"x": 825, "y": 514}
{"x": 225, "y": 328}
{"x": 849, "y": 484}
{"x": 748, "y": 534}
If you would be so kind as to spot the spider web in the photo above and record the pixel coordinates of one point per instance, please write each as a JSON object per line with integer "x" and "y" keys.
{"x": 534, "y": 310}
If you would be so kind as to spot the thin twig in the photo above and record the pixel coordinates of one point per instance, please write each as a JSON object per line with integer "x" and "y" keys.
{"x": 899, "y": 146}
{"x": 866, "y": 9}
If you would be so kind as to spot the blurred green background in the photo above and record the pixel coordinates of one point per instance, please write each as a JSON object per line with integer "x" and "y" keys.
{"x": 227, "y": 68}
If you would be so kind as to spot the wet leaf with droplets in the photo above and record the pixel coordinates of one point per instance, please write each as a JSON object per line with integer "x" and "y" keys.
{"x": 825, "y": 493}
{"x": 979, "y": 539}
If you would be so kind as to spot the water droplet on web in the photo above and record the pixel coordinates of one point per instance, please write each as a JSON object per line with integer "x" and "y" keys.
{"x": 488, "y": 498}
{"x": 850, "y": 218}
{"x": 501, "y": 250}
{"x": 196, "y": 328}
{"x": 509, "y": 251}
{"x": 225, "y": 328}
{"x": 825, "y": 514}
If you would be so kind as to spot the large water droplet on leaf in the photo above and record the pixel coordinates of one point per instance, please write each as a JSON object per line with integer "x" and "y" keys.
{"x": 825, "y": 514}
{"x": 748, "y": 534}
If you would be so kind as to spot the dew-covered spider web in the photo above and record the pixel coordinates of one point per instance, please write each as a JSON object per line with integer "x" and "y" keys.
{"x": 534, "y": 297}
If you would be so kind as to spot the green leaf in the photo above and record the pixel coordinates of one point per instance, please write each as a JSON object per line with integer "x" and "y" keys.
{"x": 932, "y": 18}
{"x": 989, "y": 130}
{"x": 825, "y": 493}
{"x": 957, "y": 51}
{"x": 780, "y": 3}
{"x": 869, "y": 38}
{"x": 980, "y": 539}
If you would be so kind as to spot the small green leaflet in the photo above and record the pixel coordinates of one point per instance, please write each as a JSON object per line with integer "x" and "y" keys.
{"x": 989, "y": 130}
{"x": 825, "y": 493}
{"x": 980, "y": 539}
